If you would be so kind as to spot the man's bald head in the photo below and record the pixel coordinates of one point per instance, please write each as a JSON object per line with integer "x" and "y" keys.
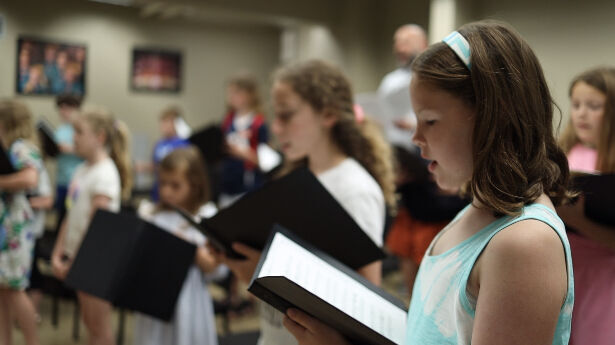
{"x": 408, "y": 42}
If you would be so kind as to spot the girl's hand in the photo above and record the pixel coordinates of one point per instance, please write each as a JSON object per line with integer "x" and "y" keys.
{"x": 205, "y": 260}
{"x": 59, "y": 267}
{"x": 242, "y": 268}
{"x": 236, "y": 151}
{"x": 310, "y": 331}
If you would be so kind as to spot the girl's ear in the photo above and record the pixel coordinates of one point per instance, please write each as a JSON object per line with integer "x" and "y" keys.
{"x": 329, "y": 118}
{"x": 101, "y": 137}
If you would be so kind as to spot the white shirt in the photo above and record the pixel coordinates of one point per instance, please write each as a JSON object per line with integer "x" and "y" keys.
{"x": 101, "y": 178}
{"x": 394, "y": 98}
{"x": 193, "y": 322}
{"x": 360, "y": 195}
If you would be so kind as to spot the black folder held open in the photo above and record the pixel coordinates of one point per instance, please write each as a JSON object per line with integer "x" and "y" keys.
{"x": 211, "y": 143}
{"x": 132, "y": 264}
{"x": 45, "y": 131}
{"x": 297, "y": 201}
{"x": 599, "y": 193}
{"x": 292, "y": 273}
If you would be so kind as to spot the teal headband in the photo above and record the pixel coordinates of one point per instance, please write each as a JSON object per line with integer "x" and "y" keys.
{"x": 460, "y": 46}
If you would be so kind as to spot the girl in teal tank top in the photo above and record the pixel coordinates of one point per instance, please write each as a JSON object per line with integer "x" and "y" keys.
{"x": 500, "y": 272}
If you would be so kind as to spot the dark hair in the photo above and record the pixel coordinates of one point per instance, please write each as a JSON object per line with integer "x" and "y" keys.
{"x": 515, "y": 155}
{"x": 603, "y": 79}
{"x": 69, "y": 100}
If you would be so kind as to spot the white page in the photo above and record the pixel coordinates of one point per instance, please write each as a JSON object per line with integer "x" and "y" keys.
{"x": 268, "y": 158}
{"x": 287, "y": 258}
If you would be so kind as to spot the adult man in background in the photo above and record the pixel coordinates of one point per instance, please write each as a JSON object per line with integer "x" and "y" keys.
{"x": 397, "y": 117}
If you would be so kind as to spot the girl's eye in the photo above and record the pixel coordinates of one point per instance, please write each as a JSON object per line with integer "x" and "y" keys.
{"x": 285, "y": 116}
{"x": 430, "y": 122}
{"x": 595, "y": 106}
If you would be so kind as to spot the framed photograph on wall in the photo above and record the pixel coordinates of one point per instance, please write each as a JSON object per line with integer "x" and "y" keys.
{"x": 156, "y": 70}
{"x": 50, "y": 67}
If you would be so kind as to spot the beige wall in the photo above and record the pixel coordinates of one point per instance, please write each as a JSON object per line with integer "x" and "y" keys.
{"x": 360, "y": 38}
{"x": 210, "y": 54}
{"x": 567, "y": 36}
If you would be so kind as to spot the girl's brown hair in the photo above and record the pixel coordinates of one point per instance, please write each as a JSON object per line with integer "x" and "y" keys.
{"x": 603, "y": 79}
{"x": 188, "y": 160}
{"x": 17, "y": 121}
{"x": 326, "y": 88}
{"x": 248, "y": 83}
{"x": 117, "y": 142}
{"x": 515, "y": 155}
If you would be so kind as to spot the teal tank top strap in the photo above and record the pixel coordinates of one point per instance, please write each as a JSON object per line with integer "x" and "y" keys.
{"x": 534, "y": 211}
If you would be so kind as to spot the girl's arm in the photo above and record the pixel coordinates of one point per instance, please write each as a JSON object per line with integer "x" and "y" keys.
{"x": 58, "y": 265}
{"x": 521, "y": 281}
{"x": 99, "y": 201}
{"x": 204, "y": 260}
{"x": 574, "y": 216}
{"x": 23, "y": 179}
{"x": 41, "y": 202}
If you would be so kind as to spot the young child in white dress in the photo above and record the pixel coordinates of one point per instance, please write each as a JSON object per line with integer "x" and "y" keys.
{"x": 183, "y": 183}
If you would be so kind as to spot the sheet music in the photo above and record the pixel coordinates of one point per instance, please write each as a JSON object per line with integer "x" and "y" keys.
{"x": 268, "y": 158}
{"x": 287, "y": 258}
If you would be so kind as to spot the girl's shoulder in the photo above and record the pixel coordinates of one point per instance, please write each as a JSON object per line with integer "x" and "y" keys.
{"x": 350, "y": 177}
{"x": 106, "y": 167}
{"x": 537, "y": 239}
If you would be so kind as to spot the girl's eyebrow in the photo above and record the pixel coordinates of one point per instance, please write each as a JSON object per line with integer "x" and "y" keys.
{"x": 422, "y": 111}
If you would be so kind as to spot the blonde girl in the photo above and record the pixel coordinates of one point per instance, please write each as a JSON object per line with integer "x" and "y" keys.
{"x": 102, "y": 181}
{"x": 16, "y": 220}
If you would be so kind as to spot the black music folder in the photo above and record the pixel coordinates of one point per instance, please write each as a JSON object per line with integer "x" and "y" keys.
{"x": 47, "y": 137}
{"x": 599, "y": 192}
{"x": 6, "y": 166}
{"x": 293, "y": 274}
{"x": 210, "y": 141}
{"x": 132, "y": 263}
{"x": 297, "y": 201}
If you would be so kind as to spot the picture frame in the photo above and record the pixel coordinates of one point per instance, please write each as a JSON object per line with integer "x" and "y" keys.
{"x": 50, "y": 67}
{"x": 156, "y": 70}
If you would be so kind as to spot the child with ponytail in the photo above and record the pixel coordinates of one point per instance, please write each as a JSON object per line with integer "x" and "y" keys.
{"x": 102, "y": 181}
{"x": 316, "y": 124}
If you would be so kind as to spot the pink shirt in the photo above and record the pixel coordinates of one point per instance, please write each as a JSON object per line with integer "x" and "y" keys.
{"x": 582, "y": 158}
